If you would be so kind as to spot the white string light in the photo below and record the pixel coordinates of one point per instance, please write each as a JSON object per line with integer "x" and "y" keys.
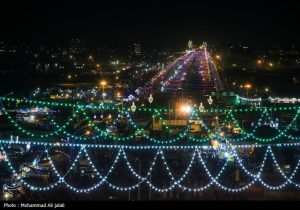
{"x": 176, "y": 183}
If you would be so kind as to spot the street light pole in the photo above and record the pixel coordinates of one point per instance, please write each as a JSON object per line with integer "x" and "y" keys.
{"x": 139, "y": 190}
{"x": 103, "y": 92}
{"x": 122, "y": 106}
{"x": 103, "y": 83}
{"x": 210, "y": 102}
{"x": 150, "y": 99}
{"x": 248, "y": 87}
{"x": 153, "y": 121}
{"x": 149, "y": 185}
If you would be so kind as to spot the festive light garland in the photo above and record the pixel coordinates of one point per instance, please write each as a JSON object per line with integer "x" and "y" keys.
{"x": 176, "y": 183}
{"x": 281, "y": 132}
{"x": 249, "y": 99}
{"x": 161, "y": 110}
{"x": 246, "y": 135}
{"x": 137, "y": 147}
{"x": 78, "y": 105}
{"x": 288, "y": 179}
{"x": 284, "y": 100}
{"x": 159, "y": 78}
{"x": 46, "y": 135}
{"x": 179, "y": 73}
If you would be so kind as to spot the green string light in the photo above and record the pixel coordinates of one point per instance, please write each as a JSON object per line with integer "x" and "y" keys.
{"x": 184, "y": 133}
{"x": 161, "y": 110}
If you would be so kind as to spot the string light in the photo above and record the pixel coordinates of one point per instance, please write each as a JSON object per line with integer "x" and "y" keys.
{"x": 160, "y": 147}
{"x": 102, "y": 133}
{"x": 176, "y": 183}
{"x": 142, "y": 109}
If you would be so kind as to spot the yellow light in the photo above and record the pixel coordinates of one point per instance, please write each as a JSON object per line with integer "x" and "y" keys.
{"x": 215, "y": 144}
{"x": 270, "y": 64}
{"x": 118, "y": 94}
{"x": 267, "y": 89}
{"x": 259, "y": 62}
{"x": 92, "y": 99}
{"x": 103, "y": 83}
{"x": 88, "y": 132}
{"x": 90, "y": 57}
{"x": 98, "y": 65}
{"x": 218, "y": 57}
{"x": 69, "y": 76}
{"x": 248, "y": 86}
{"x": 186, "y": 109}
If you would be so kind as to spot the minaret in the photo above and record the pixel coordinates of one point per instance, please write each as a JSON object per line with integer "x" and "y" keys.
{"x": 204, "y": 45}
{"x": 190, "y": 44}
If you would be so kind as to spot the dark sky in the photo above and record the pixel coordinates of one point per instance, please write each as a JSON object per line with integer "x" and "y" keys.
{"x": 169, "y": 23}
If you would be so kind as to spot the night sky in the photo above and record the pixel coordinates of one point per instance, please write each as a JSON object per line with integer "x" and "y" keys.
{"x": 152, "y": 24}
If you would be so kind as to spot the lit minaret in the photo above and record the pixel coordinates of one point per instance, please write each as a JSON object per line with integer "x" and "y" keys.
{"x": 190, "y": 44}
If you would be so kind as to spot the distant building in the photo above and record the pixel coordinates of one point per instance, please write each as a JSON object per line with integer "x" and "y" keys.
{"x": 137, "y": 49}
{"x": 38, "y": 67}
{"x": 2, "y": 47}
{"x": 190, "y": 44}
{"x": 77, "y": 46}
{"x": 47, "y": 67}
